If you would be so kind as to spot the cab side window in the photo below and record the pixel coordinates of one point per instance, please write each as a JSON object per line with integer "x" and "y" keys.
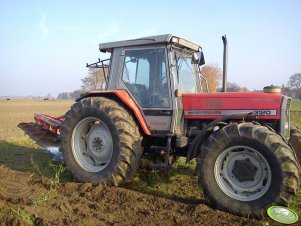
{"x": 145, "y": 76}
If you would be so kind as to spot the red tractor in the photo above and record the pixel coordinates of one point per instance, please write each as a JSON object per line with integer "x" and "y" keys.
{"x": 156, "y": 106}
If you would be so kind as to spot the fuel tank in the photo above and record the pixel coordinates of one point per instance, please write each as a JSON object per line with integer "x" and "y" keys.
{"x": 216, "y": 105}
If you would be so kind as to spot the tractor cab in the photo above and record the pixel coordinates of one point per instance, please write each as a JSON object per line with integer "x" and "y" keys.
{"x": 155, "y": 71}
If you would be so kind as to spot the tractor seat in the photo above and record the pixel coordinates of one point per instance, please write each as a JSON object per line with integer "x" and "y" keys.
{"x": 140, "y": 92}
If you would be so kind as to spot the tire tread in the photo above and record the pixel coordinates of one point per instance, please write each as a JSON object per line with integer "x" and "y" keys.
{"x": 283, "y": 153}
{"x": 127, "y": 130}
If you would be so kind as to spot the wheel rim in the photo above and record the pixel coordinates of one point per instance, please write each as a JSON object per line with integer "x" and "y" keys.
{"x": 92, "y": 144}
{"x": 242, "y": 173}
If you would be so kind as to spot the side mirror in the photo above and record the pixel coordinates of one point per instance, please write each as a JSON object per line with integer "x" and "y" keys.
{"x": 198, "y": 58}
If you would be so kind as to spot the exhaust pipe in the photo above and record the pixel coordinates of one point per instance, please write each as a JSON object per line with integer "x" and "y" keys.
{"x": 225, "y": 64}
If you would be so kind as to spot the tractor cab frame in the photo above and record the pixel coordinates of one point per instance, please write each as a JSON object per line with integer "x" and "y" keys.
{"x": 154, "y": 71}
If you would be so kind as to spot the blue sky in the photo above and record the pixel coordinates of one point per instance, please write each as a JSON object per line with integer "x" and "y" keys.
{"x": 44, "y": 45}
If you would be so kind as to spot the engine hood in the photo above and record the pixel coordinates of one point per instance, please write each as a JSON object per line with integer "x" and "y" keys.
{"x": 216, "y": 105}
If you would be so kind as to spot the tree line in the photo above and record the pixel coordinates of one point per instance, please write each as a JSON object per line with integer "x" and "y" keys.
{"x": 213, "y": 75}
{"x": 293, "y": 87}
{"x": 96, "y": 80}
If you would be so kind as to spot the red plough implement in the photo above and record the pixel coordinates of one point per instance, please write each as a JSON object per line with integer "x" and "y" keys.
{"x": 45, "y": 132}
{"x": 49, "y": 122}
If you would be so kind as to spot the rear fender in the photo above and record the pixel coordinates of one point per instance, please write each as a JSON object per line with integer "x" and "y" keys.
{"x": 124, "y": 97}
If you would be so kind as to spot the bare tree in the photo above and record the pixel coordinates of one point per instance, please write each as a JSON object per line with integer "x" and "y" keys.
{"x": 96, "y": 80}
{"x": 213, "y": 75}
{"x": 285, "y": 90}
{"x": 64, "y": 96}
{"x": 76, "y": 93}
{"x": 294, "y": 84}
{"x": 233, "y": 87}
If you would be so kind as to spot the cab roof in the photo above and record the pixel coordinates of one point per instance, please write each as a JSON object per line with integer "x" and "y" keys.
{"x": 151, "y": 40}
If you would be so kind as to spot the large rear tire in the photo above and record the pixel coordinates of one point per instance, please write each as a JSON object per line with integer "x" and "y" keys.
{"x": 101, "y": 141}
{"x": 245, "y": 168}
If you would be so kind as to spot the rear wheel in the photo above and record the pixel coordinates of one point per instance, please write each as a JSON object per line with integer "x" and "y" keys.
{"x": 245, "y": 168}
{"x": 101, "y": 141}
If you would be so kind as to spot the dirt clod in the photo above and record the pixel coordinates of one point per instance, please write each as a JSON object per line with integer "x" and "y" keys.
{"x": 86, "y": 187}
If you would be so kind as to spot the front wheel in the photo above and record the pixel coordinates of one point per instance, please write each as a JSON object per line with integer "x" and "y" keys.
{"x": 245, "y": 168}
{"x": 295, "y": 140}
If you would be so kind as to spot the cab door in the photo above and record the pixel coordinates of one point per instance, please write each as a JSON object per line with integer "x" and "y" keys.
{"x": 146, "y": 77}
{"x": 185, "y": 76}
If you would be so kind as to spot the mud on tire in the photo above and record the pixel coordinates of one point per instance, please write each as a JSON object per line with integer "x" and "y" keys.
{"x": 101, "y": 141}
{"x": 240, "y": 157}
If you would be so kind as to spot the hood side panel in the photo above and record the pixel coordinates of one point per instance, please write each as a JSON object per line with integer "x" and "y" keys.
{"x": 216, "y": 105}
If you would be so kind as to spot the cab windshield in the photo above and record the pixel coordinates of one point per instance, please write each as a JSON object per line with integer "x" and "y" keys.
{"x": 187, "y": 73}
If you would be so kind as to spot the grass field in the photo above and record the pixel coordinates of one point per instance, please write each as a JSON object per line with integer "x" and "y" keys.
{"x": 14, "y": 144}
{"x": 296, "y": 112}
{"x": 19, "y": 152}
{"x": 296, "y": 105}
